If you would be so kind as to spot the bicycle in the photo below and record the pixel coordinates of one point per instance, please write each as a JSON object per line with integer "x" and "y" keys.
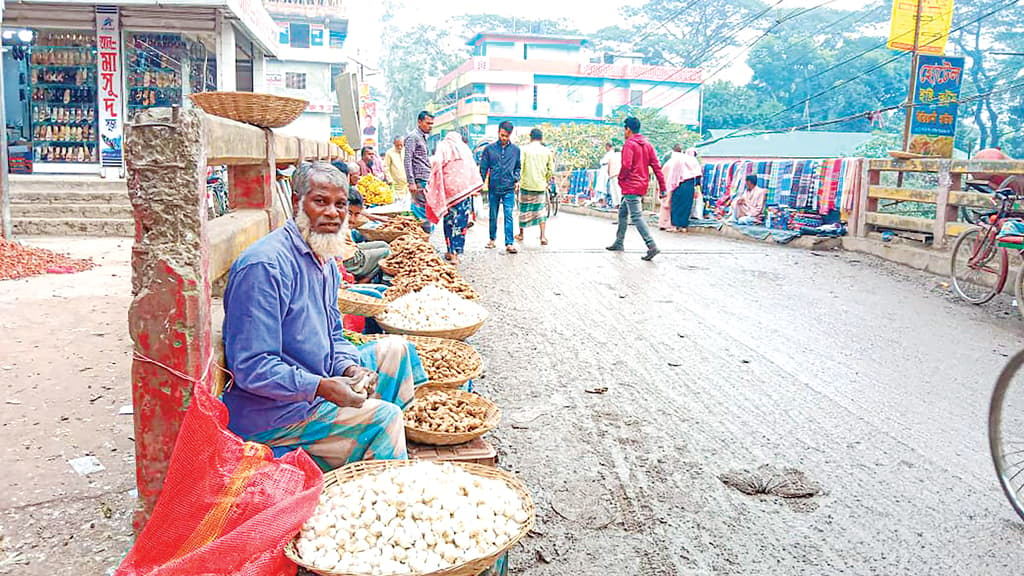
{"x": 553, "y": 200}
{"x": 979, "y": 264}
{"x": 1006, "y": 433}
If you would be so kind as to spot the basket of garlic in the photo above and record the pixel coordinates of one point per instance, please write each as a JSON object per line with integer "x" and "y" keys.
{"x": 357, "y": 304}
{"x": 448, "y": 363}
{"x": 411, "y": 517}
{"x": 439, "y": 417}
{"x": 433, "y": 311}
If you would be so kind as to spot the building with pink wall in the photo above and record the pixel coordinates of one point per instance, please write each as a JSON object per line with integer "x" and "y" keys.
{"x": 533, "y": 79}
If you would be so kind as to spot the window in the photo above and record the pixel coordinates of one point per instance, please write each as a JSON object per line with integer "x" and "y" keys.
{"x": 636, "y": 97}
{"x": 299, "y": 35}
{"x": 336, "y": 39}
{"x": 295, "y": 80}
{"x": 336, "y": 70}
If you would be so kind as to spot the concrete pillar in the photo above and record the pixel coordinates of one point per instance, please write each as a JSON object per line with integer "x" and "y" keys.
{"x": 259, "y": 71}
{"x": 169, "y": 318}
{"x": 226, "y": 73}
{"x": 252, "y": 186}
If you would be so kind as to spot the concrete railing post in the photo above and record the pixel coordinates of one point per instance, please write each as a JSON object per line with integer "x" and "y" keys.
{"x": 169, "y": 318}
{"x": 865, "y": 203}
{"x": 942, "y": 206}
{"x": 252, "y": 186}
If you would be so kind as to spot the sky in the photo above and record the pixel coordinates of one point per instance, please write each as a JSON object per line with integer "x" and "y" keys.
{"x": 587, "y": 15}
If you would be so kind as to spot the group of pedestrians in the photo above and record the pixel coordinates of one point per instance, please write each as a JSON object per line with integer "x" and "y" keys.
{"x": 443, "y": 186}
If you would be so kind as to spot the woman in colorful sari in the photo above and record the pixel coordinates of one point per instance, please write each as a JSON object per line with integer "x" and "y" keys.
{"x": 454, "y": 180}
{"x": 682, "y": 174}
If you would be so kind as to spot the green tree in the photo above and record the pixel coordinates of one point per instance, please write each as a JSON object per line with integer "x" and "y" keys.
{"x": 727, "y": 105}
{"x": 578, "y": 145}
{"x": 682, "y": 32}
{"x": 659, "y": 130}
{"x": 411, "y": 56}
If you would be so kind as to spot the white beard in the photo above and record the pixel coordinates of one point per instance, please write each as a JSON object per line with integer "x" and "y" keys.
{"x": 324, "y": 245}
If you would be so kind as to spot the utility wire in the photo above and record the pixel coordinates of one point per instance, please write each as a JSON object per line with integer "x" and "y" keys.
{"x": 858, "y": 116}
{"x": 872, "y": 69}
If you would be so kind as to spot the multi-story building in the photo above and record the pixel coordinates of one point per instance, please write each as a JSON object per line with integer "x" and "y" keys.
{"x": 312, "y": 37}
{"x": 540, "y": 79}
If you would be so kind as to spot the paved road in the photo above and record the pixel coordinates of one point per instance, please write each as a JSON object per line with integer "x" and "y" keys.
{"x": 719, "y": 356}
{"x": 723, "y": 356}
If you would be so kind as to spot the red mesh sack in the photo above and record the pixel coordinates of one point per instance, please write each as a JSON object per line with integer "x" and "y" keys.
{"x": 227, "y": 506}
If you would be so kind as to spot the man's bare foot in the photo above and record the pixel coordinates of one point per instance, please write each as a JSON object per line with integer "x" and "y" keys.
{"x": 519, "y": 237}
{"x": 491, "y": 244}
{"x": 543, "y": 241}
{"x": 511, "y": 249}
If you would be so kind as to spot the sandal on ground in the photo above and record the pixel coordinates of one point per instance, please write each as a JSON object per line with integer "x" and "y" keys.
{"x": 491, "y": 244}
{"x": 519, "y": 237}
{"x": 543, "y": 241}
{"x": 511, "y": 249}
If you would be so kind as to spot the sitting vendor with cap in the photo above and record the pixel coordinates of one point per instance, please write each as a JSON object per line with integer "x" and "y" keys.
{"x": 298, "y": 383}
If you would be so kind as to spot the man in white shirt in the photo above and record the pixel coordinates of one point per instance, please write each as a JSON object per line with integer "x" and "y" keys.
{"x": 611, "y": 163}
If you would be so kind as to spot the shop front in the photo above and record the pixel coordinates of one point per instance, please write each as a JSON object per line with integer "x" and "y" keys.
{"x": 73, "y": 75}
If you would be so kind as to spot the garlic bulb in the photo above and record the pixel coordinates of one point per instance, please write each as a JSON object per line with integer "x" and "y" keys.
{"x": 432, "y": 308}
{"x": 410, "y": 519}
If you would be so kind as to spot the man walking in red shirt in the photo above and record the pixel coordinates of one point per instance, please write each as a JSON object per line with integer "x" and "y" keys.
{"x": 637, "y": 157}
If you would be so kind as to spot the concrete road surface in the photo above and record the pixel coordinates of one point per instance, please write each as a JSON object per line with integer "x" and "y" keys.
{"x": 869, "y": 382}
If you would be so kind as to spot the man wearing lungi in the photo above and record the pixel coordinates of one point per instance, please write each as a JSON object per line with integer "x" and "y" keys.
{"x": 285, "y": 346}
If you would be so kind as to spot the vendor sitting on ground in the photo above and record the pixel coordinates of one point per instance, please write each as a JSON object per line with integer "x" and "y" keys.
{"x": 748, "y": 207}
{"x": 362, "y": 259}
{"x": 285, "y": 347}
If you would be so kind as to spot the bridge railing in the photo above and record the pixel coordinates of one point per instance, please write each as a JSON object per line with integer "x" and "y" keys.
{"x": 947, "y": 196}
{"x": 179, "y": 253}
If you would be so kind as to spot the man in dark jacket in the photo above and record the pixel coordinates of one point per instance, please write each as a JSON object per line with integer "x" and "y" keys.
{"x": 637, "y": 157}
{"x": 501, "y": 167}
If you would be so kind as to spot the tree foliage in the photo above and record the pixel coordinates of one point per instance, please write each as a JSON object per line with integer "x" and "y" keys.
{"x": 579, "y": 145}
{"x": 680, "y": 32}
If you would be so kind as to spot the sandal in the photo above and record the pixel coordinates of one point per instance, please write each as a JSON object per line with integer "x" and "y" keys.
{"x": 543, "y": 241}
{"x": 511, "y": 249}
{"x": 490, "y": 244}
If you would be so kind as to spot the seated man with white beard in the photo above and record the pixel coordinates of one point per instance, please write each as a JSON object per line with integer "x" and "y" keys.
{"x": 296, "y": 378}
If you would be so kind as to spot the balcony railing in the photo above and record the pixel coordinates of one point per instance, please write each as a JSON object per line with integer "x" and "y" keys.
{"x": 335, "y": 9}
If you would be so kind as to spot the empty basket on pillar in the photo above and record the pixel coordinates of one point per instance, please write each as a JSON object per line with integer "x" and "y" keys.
{"x": 263, "y": 110}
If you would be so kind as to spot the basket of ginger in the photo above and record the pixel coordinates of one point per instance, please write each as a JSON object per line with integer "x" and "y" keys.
{"x": 445, "y": 417}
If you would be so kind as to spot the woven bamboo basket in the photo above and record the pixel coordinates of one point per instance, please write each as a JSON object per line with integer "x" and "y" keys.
{"x": 474, "y": 371}
{"x": 376, "y": 234}
{"x": 451, "y": 333}
{"x": 471, "y": 568}
{"x": 431, "y": 438}
{"x": 357, "y": 304}
{"x": 263, "y": 110}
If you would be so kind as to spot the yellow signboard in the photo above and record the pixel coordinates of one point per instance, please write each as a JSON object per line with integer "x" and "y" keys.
{"x": 936, "y": 18}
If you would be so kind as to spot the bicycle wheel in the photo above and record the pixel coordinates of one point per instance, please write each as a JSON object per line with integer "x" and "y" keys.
{"x": 978, "y": 267}
{"x": 1006, "y": 431}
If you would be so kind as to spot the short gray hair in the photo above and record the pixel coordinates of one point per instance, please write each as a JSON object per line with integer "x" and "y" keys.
{"x": 353, "y": 168}
{"x": 307, "y": 172}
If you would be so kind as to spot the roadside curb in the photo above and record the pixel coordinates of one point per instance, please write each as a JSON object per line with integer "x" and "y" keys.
{"x": 814, "y": 243}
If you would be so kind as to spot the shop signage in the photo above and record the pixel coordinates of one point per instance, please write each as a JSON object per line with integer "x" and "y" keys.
{"x": 111, "y": 98}
{"x": 274, "y": 80}
{"x": 316, "y": 35}
{"x": 936, "y": 18}
{"x": 321, "y": 107}
{"x": 284, "y": 34}
{"x": 936, "y": 98}
{"x": 257, "y": 21}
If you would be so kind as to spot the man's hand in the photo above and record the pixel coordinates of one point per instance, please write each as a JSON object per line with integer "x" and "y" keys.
{"x": 340, "y": 393}
{"x": 357, "y": 373}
